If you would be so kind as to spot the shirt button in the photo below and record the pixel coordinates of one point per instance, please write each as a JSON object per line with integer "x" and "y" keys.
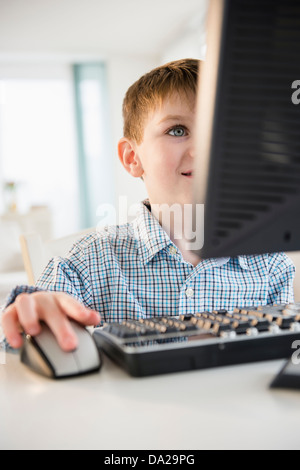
{"x": 172, "y": 250}
{"x": 189, "y": 292}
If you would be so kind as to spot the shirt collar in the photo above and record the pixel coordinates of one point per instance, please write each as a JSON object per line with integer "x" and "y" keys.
{"x": 248, "y": 262}
{"x": 151, "y": 239}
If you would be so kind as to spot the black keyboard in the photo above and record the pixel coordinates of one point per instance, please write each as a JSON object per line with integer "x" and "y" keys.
{"x": 161, "y": 345}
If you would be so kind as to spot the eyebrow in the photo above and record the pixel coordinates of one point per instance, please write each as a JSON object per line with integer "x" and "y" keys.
{"x": 172, "y": 117}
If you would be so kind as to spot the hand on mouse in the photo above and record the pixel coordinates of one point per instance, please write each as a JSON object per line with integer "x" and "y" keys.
{"x": 54, "y": 308}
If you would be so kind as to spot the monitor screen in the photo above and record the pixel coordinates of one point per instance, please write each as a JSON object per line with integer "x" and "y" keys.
{"x": 247, "y": 165}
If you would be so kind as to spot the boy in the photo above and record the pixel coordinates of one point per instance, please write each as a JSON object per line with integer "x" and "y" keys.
{"x": 142, "y": 269}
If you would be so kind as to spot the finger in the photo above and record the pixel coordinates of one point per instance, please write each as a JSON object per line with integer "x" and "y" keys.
{"x": 56, "y": 319}
{"x": 27, "y": 314}
{"x": 11, "y": 326}
{"x": 76, "y": 310}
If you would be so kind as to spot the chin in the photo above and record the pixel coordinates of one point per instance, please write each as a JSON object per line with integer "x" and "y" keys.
{"x": 183, "y": 202}
{"x": 186, "y": 199}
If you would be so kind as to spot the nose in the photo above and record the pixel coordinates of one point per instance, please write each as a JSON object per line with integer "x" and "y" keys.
{"x": 191, "y": 149}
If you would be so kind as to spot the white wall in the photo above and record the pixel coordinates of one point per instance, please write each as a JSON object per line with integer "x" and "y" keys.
{"x": 190, "y": 41}
{"x": 42, "y": 167}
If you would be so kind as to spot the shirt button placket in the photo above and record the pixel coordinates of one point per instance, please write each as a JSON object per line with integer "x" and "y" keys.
{"x": 172, "y": 250}
{"x": 189, "y": 292}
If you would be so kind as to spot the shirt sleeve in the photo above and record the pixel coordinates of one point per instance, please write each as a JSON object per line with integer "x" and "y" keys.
{"x": 281, "y": 279}
{"x": 69, "y": 275}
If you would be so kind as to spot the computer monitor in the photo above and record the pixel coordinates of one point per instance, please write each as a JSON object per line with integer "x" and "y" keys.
{"x": 247, "y": 168}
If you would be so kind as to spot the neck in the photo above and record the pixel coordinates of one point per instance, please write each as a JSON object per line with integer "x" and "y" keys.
{"x": 176, "y": 220}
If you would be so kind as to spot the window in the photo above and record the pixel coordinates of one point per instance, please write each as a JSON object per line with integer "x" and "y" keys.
{"x": 94, "y": 140}
{"x": 55, "y": 141}
{"x": 38, "y": 147}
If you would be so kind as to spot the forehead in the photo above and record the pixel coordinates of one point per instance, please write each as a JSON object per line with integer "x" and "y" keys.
{"x": 176, "y": 105}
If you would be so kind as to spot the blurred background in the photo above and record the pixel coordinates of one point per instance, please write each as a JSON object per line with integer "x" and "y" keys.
{"x": 65, "y": 66}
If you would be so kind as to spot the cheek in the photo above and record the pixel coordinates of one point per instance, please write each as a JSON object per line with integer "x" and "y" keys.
{"x": 168, "y": 158}
{"x": 162, "y": 161}
{"x": 166, "y": 171}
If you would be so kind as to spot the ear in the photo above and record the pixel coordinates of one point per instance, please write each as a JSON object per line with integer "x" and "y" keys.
{"x": 129, "y": 158}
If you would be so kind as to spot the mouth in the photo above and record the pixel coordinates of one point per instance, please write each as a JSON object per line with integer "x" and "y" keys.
{"x": 187, "y": 174}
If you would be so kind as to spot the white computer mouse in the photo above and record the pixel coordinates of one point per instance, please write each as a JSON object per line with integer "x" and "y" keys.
{"x": 43, "y": 354}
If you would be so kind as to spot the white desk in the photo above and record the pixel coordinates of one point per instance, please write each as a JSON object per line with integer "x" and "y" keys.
{"x": 225, "y": 408}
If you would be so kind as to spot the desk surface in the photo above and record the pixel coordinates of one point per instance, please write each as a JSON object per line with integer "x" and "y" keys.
{"x": 224, "y": 408}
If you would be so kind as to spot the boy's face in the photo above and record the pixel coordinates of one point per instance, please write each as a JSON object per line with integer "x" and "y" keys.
{"x": 165, "y": 156}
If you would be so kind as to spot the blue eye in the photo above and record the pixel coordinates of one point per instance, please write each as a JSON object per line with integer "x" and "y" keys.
{"x": 177, "y": 131}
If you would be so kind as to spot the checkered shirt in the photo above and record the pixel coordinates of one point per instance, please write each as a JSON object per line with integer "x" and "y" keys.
{"x": 135, "y": 271}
